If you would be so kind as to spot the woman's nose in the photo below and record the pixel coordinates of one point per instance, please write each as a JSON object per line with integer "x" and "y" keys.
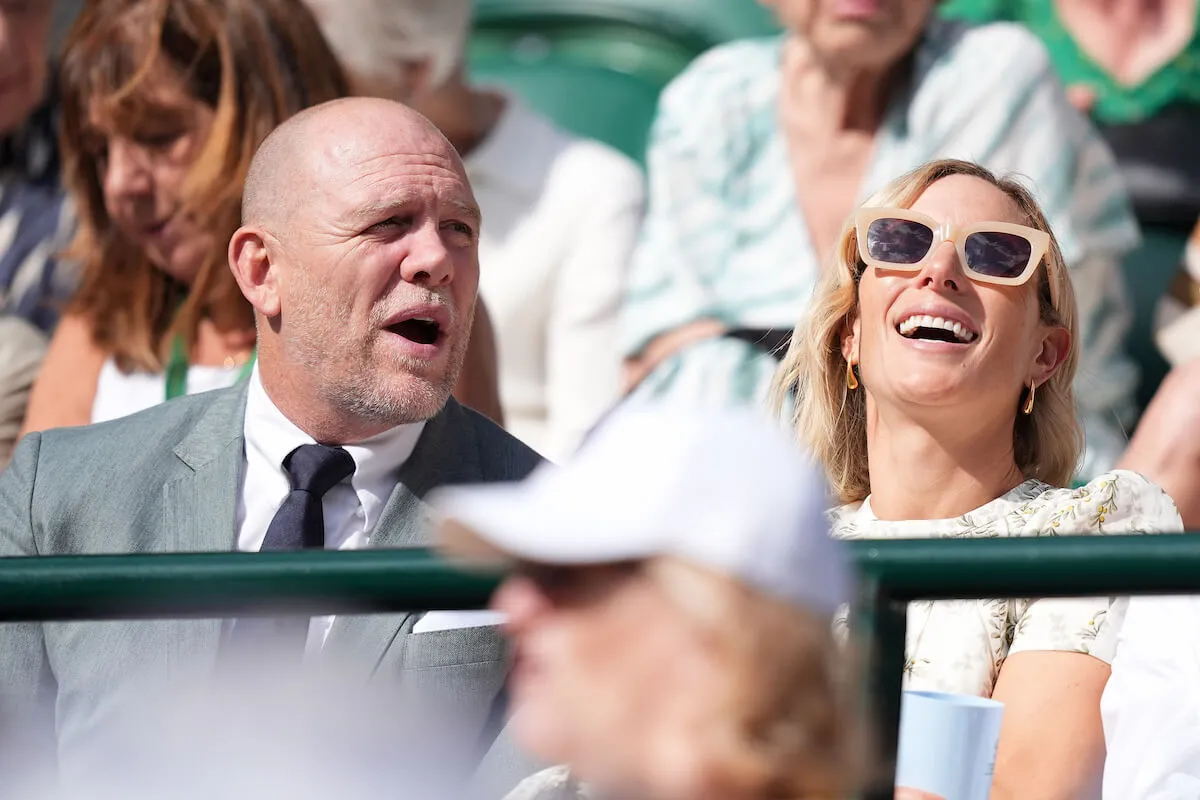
{"x": 126, "y": 173}
{"x": 520, "y": 600}
{"x": 942, "y": 269}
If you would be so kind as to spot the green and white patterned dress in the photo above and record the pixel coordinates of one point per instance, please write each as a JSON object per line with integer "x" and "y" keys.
{"x": 960, "y": 645}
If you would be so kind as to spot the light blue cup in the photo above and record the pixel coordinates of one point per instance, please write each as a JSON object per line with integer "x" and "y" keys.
{"x": 948, "y": 744}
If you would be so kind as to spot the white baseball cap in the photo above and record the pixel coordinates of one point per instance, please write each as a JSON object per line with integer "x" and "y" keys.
{"x": 723, "y": 489}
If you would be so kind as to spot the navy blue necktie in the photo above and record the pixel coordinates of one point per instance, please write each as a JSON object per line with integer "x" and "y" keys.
{"x": 312, "y": 469}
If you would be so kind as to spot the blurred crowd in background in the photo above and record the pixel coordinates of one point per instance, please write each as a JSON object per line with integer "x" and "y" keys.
{"x": 668, "y": 192}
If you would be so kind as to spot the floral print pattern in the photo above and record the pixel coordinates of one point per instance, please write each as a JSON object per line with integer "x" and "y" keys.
{"x": 960, "y": 645}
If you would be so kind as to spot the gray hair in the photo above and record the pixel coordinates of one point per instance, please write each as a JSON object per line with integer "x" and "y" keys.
{"x": 372, "y": 37}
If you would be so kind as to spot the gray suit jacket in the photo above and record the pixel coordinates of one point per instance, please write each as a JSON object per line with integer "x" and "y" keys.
{"x": 167, "y": 480}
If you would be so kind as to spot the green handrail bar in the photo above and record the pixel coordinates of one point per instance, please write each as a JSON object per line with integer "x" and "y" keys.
{"x": 374, "y": 581}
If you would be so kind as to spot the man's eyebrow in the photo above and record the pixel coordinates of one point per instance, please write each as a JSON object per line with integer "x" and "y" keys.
{"x": 468, "y": 210}
{"x": 400, "y": 202}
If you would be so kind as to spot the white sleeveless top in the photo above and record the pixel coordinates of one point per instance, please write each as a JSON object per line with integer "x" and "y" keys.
{"x": 119, "y": 394}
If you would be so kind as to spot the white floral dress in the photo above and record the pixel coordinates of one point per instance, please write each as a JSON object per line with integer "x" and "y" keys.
{"x": 960, "y": 645}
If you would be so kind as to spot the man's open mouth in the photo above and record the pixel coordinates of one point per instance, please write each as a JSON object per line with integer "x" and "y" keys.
{"x": 421, "y": 330}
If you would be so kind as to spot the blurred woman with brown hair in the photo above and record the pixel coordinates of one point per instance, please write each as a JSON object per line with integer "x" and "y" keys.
{"x": 163, "y": 104}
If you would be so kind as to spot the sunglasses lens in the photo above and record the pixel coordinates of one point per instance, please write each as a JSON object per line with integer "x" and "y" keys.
{"x": 898, "y": 241}
{"x": 1001, "y": 255}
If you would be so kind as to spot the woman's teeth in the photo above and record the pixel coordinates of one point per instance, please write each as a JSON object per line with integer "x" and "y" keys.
{"x": 915, "y": 323}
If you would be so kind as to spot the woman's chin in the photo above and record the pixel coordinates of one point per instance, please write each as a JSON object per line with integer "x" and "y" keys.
{"x": 931, "y": 388}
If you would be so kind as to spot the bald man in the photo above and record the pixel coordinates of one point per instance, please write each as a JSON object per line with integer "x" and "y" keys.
{"x": 359, "y": 253}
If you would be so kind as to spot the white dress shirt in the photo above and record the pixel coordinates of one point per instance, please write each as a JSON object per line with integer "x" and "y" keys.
{"x": 1151, "y": 705}
{"x": 352, "y": 507}
{"x": 560, "y": 216}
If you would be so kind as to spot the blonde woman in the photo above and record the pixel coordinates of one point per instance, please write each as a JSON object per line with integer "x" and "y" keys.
{"x": 933, "y": 378}
{"x": 670, "y": 614}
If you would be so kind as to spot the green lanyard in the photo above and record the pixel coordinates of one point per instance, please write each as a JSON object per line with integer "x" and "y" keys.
{"x": 177, "y": 369}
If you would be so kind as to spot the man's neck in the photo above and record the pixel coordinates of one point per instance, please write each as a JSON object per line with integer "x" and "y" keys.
{"x": 922, "y": 471}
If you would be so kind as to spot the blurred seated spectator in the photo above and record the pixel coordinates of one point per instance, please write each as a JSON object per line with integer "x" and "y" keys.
{"x": 670, "y": 611}
{"x": 763, "y": 148}
{"x": 933, "y": 377}
{"x": 21, "y": 349}
{"x": 33, "y": 224}
{"x": 163, "y": 104}
{"x": 560, "y": 213}
{"x": 1134, "y": 67}
{"x": 1164, "y": 446}
{"x": 160, "y": 120}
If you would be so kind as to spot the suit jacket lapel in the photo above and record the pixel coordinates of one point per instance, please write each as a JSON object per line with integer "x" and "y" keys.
{"x": 445, "y": 454}
{"x": 200, "y": 506}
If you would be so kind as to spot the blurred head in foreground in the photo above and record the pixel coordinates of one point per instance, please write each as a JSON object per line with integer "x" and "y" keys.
{"x": 669, "y": 608}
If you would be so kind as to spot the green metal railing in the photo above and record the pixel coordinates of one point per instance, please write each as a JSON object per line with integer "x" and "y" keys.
{"x": 894, "y": 573}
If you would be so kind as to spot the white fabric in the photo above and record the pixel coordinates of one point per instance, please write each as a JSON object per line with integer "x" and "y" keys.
{"x": 726, "y": 490}
{"x": 960, "y": 645}
{"x": 1151, "y": 706}
{"x": 119, "y": 394}
{"x": 560, "y": 216}
{"x": 453, "y": 620}
{"x": 351, "y": 508}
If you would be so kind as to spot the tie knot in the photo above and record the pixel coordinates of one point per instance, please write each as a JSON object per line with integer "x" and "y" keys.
{"x": 317, "y": 468}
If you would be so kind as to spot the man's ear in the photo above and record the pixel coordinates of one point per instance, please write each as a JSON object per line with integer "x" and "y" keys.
{"x": 250, "y": 259}
{"x": 851, "y": 343}
{"x": 1056, "y": 346}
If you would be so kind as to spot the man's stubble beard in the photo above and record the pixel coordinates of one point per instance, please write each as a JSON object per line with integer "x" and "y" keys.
{"x": 375, "y": 399}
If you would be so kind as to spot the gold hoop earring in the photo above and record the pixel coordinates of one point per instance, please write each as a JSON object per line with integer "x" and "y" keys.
{"x": 1027, "y": 408}
{"x": 851, "y": 378}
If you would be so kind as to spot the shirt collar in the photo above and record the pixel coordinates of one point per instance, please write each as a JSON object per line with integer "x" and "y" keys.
{"x": 511, "y": 153}
{"x": 272, "y": 435}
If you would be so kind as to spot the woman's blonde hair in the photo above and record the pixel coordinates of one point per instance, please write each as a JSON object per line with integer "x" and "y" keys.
{"x": 831, "y": 419}
{"x": 785, "y": 722}
{"x": 254, "y": 63}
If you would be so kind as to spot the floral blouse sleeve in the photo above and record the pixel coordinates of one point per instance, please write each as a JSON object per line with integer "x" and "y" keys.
{"x": 1118, "y": 502}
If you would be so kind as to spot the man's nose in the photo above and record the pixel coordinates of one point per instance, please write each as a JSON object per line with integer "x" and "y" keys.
{"x": 126, "y": 173}
{"x": 428, "y": 261}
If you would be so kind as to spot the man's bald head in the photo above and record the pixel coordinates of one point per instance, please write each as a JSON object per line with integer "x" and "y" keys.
{"x": 359, "y": 250}
{"x": 292, "y": 156}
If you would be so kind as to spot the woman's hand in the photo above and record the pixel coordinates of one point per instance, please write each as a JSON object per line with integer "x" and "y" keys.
{"x": 905, "y": 793}
{"x": 663, "y": 347}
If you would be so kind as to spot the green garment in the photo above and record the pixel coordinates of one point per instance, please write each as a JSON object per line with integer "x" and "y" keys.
{"x": 1177, "y": 81}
